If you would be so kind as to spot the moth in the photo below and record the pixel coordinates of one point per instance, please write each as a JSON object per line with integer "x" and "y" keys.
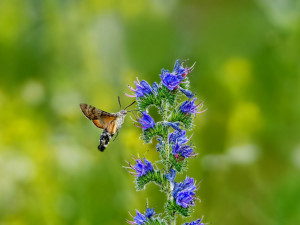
{"x": 111, "y": 123}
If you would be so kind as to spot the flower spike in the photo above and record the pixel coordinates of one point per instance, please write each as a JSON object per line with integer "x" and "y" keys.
{"x": 173, "y": 145}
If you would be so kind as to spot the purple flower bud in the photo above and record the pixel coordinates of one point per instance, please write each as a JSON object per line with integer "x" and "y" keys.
{"x": 146, "y": 121}
{"x": 185, "y": 199}
{"x": 180, "y": 70}
{"x": 171, "y": 177}
{"x": 182, "y": 150}
{"x": 184, "y": 192}
{"x": 139, "y": 218}
{"x": 197, "y": 222}
{"x": 160, "y": 144}
{"x": 170, "y": 80}
{"x": 142, "y": 89}
{"x": 155, "y": 88}
{"x": 178, "y": 136}
{"x": 188, "y": 94}
{"x": 174, "y": 125}
{"x": 149, "y": 213}
{"x": 188, "y": 184}
{"x": 189, "y": 107}
{"x": 142, "y": 168}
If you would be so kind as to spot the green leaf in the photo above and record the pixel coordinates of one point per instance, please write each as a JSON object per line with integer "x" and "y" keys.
{"x": 160, "y": 129}
{"x": 147, "y": 101}
{"x": 156, "y": 99}
{"x": 154, "y": 176}
{"x": 156, "y": 221}
{"x": 185, "y": 84}
{"x": 172, "y": 209}
{"x": 186, "y": 119}
{"x": 179, "y": 164}
{"x": 165, "y": 94}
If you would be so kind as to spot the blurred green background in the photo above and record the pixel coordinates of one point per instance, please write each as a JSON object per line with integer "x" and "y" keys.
{"x": 56, "y": 54}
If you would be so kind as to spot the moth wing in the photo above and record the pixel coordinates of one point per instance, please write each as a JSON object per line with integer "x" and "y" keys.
{"x": 111, "y": 128}
{"x": 99, "y": 117}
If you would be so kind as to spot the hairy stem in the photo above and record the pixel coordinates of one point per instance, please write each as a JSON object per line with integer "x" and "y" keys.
{"x": 172, "y": 220}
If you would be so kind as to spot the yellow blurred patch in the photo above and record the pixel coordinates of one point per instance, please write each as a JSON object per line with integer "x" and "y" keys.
{"x": 12, "y": 17}
{"x": 130, "y": 77}
{"x": 18, "y": 130}
{"x": 237, "y": 73}
{"x": 244, "y": 122}
{"x": 131, "y": 140}
{"x": 15, "y": 221}
{"x": 133, "y": 8}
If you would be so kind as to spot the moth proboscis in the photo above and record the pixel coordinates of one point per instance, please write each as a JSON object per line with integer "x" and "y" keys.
{"x": 111, "y": 123}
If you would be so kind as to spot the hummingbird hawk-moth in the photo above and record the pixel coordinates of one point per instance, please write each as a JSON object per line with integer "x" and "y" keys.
{"x": 109, "y": 122}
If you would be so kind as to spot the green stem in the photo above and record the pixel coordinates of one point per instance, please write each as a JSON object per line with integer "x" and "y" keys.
{"x": 172, "y": 220}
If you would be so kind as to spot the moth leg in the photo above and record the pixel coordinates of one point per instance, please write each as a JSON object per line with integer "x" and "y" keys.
{"x": 116, "y": 136}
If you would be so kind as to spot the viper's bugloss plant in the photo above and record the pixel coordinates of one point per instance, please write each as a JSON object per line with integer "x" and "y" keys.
{"x": 172, "y": 143}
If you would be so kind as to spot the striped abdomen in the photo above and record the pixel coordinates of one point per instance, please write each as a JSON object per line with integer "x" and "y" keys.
{"x": 104, "y": 140}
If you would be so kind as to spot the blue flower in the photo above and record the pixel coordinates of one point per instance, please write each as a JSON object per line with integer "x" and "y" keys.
{"x": 160, "y": 144}
{"x": 174, "y": 125}
{"x": 155, "y": 88}
{"x": 184, "y": 192}
{"x": 170, "y": 80}
{"x": 197, "y": 222}
{"x": 185, "y": 199}
{"x": 142, "y": 89}
{"x": 187, "y": 185}
{"x": 180, "y": 70}
{"x": 142, "y": 168}
{"x": 146, "y": 121}
{"x": 189, "y": 107}
{"x": 178, "y": 136}
{"x": 149, "y": 213}
{"x": 188, "y": 94}
{"x": 171, "y": 177}
{"x": 140, "y": 218}
{"x": 182, "y": 150}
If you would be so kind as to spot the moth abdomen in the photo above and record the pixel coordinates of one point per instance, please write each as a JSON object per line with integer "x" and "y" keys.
{"x": 104, "y": 140}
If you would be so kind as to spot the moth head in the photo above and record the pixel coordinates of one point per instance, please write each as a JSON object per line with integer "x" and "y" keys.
{"x": 123, "y": 112}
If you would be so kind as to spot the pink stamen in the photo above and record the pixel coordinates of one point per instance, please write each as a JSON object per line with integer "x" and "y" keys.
{"x": 134, "y": 157}
{"x": 130, "y": 96}
{"x": 200, "y": 104}
{"x": 190, "y": 138}
{"x": 131, "y": 88}
{"x": 146, "y": 123}
{"x": 192, "y": 67}
{"x": 138, "y": 80}
{"x": 133, "y": 119}
{"x": 202, "y": 111}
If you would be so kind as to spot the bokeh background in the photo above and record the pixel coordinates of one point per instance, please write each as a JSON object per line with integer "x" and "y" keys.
{"x": 56, "y": 54}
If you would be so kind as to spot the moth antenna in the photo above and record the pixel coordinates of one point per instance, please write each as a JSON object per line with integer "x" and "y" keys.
{"x": 130, "y": 105}
{"x": 119, "y": 102}
{"x": 133, "y": 110}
